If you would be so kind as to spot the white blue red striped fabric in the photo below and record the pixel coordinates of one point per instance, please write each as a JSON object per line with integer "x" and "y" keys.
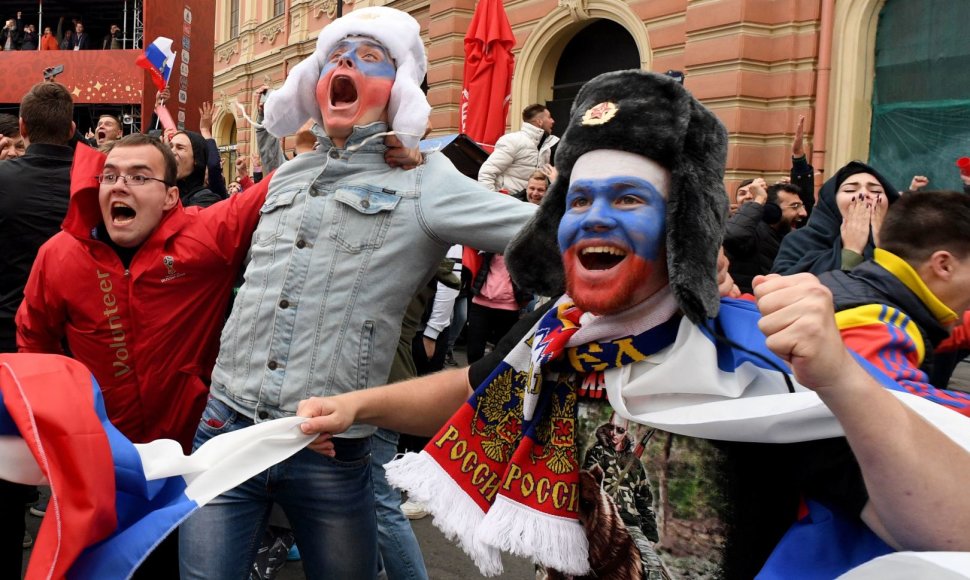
{"x": 112, "y": 501}
{"x": 158, "y": 59}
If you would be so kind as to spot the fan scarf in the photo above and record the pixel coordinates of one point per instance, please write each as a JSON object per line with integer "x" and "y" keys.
{"x": 504, "y": 470}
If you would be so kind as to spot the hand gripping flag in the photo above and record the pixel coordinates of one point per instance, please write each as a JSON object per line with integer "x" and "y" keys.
{"x": 158, "y": 59}
{"x": 111, "y": 502}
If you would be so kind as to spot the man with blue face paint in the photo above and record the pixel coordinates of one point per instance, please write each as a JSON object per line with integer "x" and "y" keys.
{"x": 611, "y": 235}
{"x": 343, "y": 243}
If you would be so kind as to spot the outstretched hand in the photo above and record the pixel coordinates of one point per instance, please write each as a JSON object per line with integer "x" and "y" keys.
{"x": 550, "y": 172}
{"x": 798, "y": 319}
{"x": 205, "y": 120}
{"x": 918, "y": 182}
{"x": 161, "y": 97}
{"x": 759, "y": 189}
{"x": 326, "y": 416}
{"x": 242, "y": 166}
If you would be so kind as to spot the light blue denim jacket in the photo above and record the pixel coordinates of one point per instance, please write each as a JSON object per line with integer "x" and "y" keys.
{"x": 343, "y": 243}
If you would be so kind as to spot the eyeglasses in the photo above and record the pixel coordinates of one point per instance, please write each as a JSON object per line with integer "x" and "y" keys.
{"x": 136, "y": 180}
{"x": 796, "y": 205}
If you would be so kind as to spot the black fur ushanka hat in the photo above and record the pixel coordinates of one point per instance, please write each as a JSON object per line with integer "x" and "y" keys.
{"x": 651, "y": 115}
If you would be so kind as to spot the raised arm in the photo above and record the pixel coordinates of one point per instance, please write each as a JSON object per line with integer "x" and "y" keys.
{"x": 915, "y": 475}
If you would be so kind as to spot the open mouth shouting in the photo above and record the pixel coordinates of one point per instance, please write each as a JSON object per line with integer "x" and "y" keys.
{"x": 354, "y": 86}
{"x": 343, "y": 92}
{"x": 121, "y": 213}
{"x": 601, "y": 257}
{"x": 101, "y": 136}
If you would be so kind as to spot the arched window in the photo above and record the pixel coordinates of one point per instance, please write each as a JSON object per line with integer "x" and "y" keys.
{"x": 921, "y": 95}
{"x": 583, "y": 58}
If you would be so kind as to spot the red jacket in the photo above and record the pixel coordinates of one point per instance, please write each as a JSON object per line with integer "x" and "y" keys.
{"x": 150, "y": 333}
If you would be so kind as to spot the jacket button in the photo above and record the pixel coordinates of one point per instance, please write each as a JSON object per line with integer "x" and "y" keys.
{"x": 263, "y": 414}
{"x": 300, "y": 244}
{"x": 272, "y": 365}
{"x": 364, "y": 203}
{"x": 334, "y": 154}
{"x": 284, "y": 304}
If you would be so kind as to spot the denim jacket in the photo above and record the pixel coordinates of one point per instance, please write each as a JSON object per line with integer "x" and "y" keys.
{"x": 343, "y": 243}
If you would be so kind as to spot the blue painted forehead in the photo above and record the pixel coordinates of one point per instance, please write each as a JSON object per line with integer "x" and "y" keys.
{"x": 366, "y": 40}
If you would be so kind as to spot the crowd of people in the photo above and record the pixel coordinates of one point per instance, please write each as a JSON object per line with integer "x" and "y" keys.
{"x": 21, "y": 34}
{"x": 600, "y": 305}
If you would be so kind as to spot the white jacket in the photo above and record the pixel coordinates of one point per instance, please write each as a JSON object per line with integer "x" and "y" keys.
{"x": 516, "y": 156}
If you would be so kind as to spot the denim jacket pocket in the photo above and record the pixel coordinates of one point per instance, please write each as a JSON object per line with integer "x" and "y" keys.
{"x": 272, "y": 216}
{"x": 217, "y": 417}
{"x": 362, "y": 217}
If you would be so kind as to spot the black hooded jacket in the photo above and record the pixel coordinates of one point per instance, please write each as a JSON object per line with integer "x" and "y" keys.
{"x": 192, "y": 189}
{"x": 817, "y": 247}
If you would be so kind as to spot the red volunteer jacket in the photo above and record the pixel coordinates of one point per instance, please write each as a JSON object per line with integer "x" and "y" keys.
{"x": 150, "y": 333}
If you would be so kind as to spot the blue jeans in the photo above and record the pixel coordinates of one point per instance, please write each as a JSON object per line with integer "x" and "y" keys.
{"x": 458, "y": 317}
{"x": 400, "y": 551}
{"x": 329, "y": 502}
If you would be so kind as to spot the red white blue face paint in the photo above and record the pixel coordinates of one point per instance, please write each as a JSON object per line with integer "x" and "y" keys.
{"x": 355, "y": 85}
{"x": 612, "y": 233}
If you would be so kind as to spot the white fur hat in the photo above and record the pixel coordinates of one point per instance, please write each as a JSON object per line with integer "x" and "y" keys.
{"x": 288, "y": 108}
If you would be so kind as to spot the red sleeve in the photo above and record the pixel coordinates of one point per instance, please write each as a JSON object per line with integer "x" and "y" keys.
{"x": 960, "y": 337}
{"x": 246, "y": 182}
{"x": 41, "y": 316}
{"x": 892, "y": 349}
{"x": 232, "y": 221}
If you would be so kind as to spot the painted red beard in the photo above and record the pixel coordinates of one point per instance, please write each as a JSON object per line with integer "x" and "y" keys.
{"x": 610, "y": 289}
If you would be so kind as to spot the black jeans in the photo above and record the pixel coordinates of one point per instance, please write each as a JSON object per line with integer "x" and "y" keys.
{"x": 487, "y": 325}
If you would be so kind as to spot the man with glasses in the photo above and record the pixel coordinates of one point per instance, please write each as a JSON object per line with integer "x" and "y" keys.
{"x": 753, "y": 235}
{"x": 137, "y": 287}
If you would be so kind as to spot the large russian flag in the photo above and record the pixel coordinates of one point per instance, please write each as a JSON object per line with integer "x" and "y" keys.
{"x": 112, "y": 501}
{"x": 158, "y": 59}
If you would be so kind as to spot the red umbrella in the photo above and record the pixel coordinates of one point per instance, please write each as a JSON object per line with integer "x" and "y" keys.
{"x": 487, "y": 89}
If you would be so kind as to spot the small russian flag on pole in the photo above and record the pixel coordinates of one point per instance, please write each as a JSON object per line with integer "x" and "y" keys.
{"x": 158, "y": 59}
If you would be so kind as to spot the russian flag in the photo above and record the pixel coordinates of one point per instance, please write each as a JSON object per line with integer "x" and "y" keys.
{"x": 112, "y": 502}
{"x": 158, "y": 59}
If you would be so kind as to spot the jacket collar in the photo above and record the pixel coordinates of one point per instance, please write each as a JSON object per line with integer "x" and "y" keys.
{"x": 908, "y": 276}
{"x": 48, "y": 150}
{"x": 363, "y": 138}
{"x": 533, "y": 132}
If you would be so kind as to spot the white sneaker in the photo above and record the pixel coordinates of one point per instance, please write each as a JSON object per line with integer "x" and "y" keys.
{"x": 414, "y": 510}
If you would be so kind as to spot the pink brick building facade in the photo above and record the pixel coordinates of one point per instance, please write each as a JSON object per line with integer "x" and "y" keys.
{"x": 759, "y": 64}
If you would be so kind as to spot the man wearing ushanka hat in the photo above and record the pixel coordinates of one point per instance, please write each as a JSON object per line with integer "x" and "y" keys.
{"x": 343, "y": 243}
{"x": 631, "y": 231}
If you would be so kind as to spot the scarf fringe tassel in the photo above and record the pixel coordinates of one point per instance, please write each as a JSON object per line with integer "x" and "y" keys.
{"x": 454, "y": 512}
{"x": 554, "y": 542}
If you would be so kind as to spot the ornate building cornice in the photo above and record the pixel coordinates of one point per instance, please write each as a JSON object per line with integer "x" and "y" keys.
{"x": 225, "y": 52}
